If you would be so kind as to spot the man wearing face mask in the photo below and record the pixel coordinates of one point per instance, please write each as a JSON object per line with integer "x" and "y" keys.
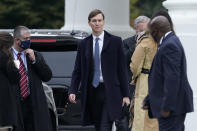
{"x": 33, "y": 70}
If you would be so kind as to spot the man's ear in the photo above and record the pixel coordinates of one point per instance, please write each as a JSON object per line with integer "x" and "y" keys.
{"x": 89, "y": 23}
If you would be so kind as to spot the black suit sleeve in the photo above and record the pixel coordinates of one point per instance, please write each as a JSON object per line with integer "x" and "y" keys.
{"x": 41, "y": 68}
{"x": 76, "y": 75}
{"x": 171, "y": 63}
{"x": 123, "y": 77}
{"x": 13, "y": 73}
{"x": 146, "y": 99}
{"x": 129, "y": 47}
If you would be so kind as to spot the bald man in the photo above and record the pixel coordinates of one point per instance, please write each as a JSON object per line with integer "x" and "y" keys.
{"x": 170, "y": 96}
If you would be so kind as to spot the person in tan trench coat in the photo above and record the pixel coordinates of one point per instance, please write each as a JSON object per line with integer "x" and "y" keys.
{"x": 141, "y": 63}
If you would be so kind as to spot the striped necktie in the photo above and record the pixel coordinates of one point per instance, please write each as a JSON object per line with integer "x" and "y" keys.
{"x": 24, "y": 80}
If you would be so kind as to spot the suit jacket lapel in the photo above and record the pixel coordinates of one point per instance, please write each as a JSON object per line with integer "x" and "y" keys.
{"x": 89, "y": 48}
{"x": 89, "y": 54}
{"x": 29, "y": 71}
{"x": 28, "y": 64}
{"x": 165, "y": 38}
{"x": 106, "y": 41}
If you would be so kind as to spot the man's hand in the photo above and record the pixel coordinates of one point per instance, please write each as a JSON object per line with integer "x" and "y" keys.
{"x": 31, "y": 54}
{"x": 126, "y": 101}
{"x": 72, "y": 98}
{"x": 145, "y": 105}
{"x": 165, "y": 113}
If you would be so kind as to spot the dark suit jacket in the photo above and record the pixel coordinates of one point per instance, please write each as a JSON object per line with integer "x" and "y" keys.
{"x": 169, "y": 88}
{"x": 37, "y": 73}
{"x": 114, "y": 74}
{"x": 129, "y": 48}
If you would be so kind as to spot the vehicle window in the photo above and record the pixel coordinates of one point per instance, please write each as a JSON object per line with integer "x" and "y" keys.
{"x": 60, "y": 56}
{"x": 61, "y": 64}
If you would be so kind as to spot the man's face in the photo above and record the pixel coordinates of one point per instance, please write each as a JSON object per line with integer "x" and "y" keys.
{"x": 25, "y": 35}
{"x": 141, "y": 27}
{"x": 97, "y": 23}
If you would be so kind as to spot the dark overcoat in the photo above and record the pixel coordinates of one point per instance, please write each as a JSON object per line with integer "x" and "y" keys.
{"x": 113, "y": 67}
{"x": 169, "y": 88}
{"x": 129, "y": 48}
{"x": 9, "y": 77}
{"x": 38, "y": 72}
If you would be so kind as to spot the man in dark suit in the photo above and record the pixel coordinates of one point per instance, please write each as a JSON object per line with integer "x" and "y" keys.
{"x": 33, "y": 70}
{"x": 100, "y": 70}
{"x": 170, "y": 95}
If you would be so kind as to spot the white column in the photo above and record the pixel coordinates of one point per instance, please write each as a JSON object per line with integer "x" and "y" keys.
{"x": 184, "y": 17}
{"x": 116, "y": 15}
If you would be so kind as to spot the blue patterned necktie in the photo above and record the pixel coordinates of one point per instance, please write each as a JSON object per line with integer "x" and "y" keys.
{"x": 96, "y": 76}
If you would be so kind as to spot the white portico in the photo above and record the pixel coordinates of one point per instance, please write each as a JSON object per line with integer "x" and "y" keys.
{"x": 184, "y": 17}
{"x": 116, "y": 15}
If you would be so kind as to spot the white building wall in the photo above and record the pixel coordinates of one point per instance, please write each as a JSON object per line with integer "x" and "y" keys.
{"x": 116, "y": 15}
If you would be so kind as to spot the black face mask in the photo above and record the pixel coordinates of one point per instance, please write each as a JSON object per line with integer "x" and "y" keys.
{"x": 25, "y": 44}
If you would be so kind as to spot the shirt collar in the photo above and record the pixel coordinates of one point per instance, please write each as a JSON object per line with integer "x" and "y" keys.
{"x": 166, "y": 34}
{"x": 16, "y": 52}
{"x": 101, "y": 36}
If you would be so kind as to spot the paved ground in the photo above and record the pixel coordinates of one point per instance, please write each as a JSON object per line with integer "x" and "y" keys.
{"x": 76, "y": 128}
{"x": 79, "y": 128}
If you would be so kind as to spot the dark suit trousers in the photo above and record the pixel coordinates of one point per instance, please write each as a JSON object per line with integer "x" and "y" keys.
{"x": 172, "y": 123}
{"x": 98, "y": 108}
{"x": 27, "y": 112}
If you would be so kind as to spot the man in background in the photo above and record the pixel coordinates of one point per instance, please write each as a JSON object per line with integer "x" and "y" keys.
{"x": 33, "y": 70}
{"x": 140, "y": 24}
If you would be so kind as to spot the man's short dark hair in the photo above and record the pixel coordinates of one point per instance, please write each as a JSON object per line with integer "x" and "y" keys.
{"x": 165, "y": 14}
{"x": 94, "y": 13}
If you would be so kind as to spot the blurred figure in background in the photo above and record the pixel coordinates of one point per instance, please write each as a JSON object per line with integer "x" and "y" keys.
{"x": 9, "y": 77}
